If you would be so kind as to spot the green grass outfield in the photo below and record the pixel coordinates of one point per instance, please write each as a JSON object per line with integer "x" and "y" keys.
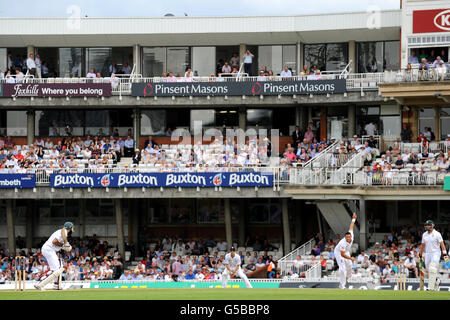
{"x": 222, "y": 294}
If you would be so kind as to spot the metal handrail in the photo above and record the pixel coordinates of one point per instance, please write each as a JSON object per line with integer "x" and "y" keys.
{"x": 291, "y": 256}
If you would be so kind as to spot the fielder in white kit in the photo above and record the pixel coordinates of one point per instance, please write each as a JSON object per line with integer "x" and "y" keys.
{"x": 56, "y": 242}
{"x": 432, "y": 243}
{"x": 342, "y": 254}
{"x": 232, "y": 264}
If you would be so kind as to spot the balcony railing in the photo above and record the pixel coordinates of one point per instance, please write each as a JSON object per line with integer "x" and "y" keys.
{"x": 350, "y": 176}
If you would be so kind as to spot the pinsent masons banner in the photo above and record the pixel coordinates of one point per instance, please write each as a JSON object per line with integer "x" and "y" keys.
{"x": 177, "y": 179}
{"x": 237, "y": 88}
{"x": 20, "y": 90}
{"x": 17, "y": 180}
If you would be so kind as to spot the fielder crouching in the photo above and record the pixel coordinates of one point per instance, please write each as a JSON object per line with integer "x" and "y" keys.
{"x": 432, "y": 243}
{"x": 233, "y": 267}
{"x": 56, "y": 242}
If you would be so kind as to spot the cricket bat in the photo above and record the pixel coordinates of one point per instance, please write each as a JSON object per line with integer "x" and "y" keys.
{"x": 421, "y": 274}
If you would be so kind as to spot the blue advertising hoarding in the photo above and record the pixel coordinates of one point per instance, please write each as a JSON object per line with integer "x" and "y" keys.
{"x": 17, "y": 180}
{"x": 176, "y": 179}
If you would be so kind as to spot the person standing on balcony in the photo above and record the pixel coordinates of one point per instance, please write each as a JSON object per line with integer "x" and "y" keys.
{"x": 31, "y": 65}
{"x": 37, "y": 61}
{"x": 406, "y": 133}
{"x": 413, "y": 58}
{"x": 248, "y": 61}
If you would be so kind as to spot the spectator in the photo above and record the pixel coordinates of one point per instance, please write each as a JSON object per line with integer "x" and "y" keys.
{"x": 413, "y": 58}
{"x": 406, "y": 133}
{"x": 248, "y": 61}
{"x": 91, "y": 74}
{"x": 286, "y": 72}
{"x": 128, "y": 147}
{"x": 31, "y": 65}
{"x": 261, "y": 76}
{"x": 234, "y": 61}
{"x": 226, "y": 68}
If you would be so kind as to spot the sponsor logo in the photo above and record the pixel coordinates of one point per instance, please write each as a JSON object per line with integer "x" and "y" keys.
{"x": 148, "y": 90}
{"x": 256, "y": 88}
{"x": 217, "y": 180}
{"x": 105, "y": 181}
{"x": 442, "y": 20}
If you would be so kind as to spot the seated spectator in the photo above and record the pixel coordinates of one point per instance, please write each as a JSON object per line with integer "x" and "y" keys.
{"x": 286, "y": 72}
{"x": 91, "y": 74}
{"x": 261, "y": 76}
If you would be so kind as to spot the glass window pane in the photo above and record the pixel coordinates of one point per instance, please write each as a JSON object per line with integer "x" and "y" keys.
{"x": 204, "y": 61}
{"x": 99, "y": 59}
{"x": 157, "y": 211}
{"x": 153, "y": 122}
{"x": 207, "y": 117}
{"x": 59, "y": 123}
{"x": 97, "y": 122}
{"x": 210, "y": 210}
{"x": 178, "y": 60}
{"x": 390, "y": 126}
{"x": 181, "y": 210}
{"x": 445, "y": 123}
{"x": 122, "y": 57}
{"x": 370, "y": 57}
{"x": 316, "y": 54}
{"x": 153, "y": 61}
{"x": 259, "y": 117}
{"x": 391, "y": 55}
{"x": 3, "y": 55}
{"x": 337, "y": 56}
{"x": 70, "y": 60}
{"x": 271, "y": 57}
{"x": 290, "y": 57}
{"x": 16, "y": 123}
{"x": 427, "y": 123}
{"x": 426, "y": 113}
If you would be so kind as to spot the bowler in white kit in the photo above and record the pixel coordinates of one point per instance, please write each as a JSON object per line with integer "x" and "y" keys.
{"x": 343, "y": 257}
{"x": 432, "y": 243}
{"x": 56, "y": 242}
{"x": 232, "y": 264}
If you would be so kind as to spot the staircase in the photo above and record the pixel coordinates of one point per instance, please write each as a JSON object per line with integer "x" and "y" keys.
{"x": 286, "y": 262}
{"x": 345, "y": 174}
{"x": 337, "y": 215}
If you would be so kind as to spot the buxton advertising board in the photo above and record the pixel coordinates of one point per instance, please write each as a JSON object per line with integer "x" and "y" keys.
{"x": 22, "y": 90}
{"x": 17, "y": 180}
{"x": 425, "y": 21}
{"x": 237, "y": 88}
{"x": 176, "y": 179}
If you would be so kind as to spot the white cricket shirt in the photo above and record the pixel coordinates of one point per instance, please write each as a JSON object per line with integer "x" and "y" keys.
{"x": 55, "y": 235}
{"x": 343, "y": 245}
{"x": 432, "y": 241}
{"x": 232, "y": 262}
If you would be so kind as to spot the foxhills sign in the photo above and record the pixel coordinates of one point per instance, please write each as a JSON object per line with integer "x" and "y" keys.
{"x": 22, "y": 90}
{"x": 237, "y": 88}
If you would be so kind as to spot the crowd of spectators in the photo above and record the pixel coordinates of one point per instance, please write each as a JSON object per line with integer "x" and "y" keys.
{"x": 66, "y": 153}
{"x": 381, "y": 261}
{"x": 430, "y": 66}
{"x": 90, "y": 259}
{"x": 169, "y": 259}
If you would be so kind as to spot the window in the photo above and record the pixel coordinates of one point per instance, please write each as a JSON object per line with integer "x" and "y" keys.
{"x": 271, "y": 57}
{"x": 70, "y": 62}
{"x": 157, "y": 60}
{"x": 210, "y": 210}
{"x": 181, "y": 210}
{"x": 366, "y": 115}
{"x": 337, "y": 122}
{"x": 3, "y": 63}
{"x": 99, "y": 59}
{"x": 427, "y": 119}
{"x": 16, "y": 123}
{"x": 290, "y": 57}
{"x": 153, "y": 122}
{"x": 261, "y": 118}
{"x": 55, "y": 123}
{"x": 326, "y": 56}
{"x": 377, "y": 56}
{"x": 445, "y": 122}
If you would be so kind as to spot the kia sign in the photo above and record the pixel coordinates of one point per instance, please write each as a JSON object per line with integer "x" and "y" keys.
{"x": 237, "y": 88}
{"x": 22, "y": 90}
{"x": 425, "y": 21}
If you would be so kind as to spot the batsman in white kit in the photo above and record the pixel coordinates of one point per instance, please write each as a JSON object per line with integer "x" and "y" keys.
{"x": 343, "y": 257}
{"x": 56, "y": 242}
{"x": 232, "y": 264}
{"x": 432, "y": 243}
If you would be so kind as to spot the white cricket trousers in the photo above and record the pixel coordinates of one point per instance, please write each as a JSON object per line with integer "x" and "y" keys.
{"x": 345, "y": 271}
{"x": 433, "y": 257}
{"x": 240, "y": 273}
{"x": 51, "y": 257}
